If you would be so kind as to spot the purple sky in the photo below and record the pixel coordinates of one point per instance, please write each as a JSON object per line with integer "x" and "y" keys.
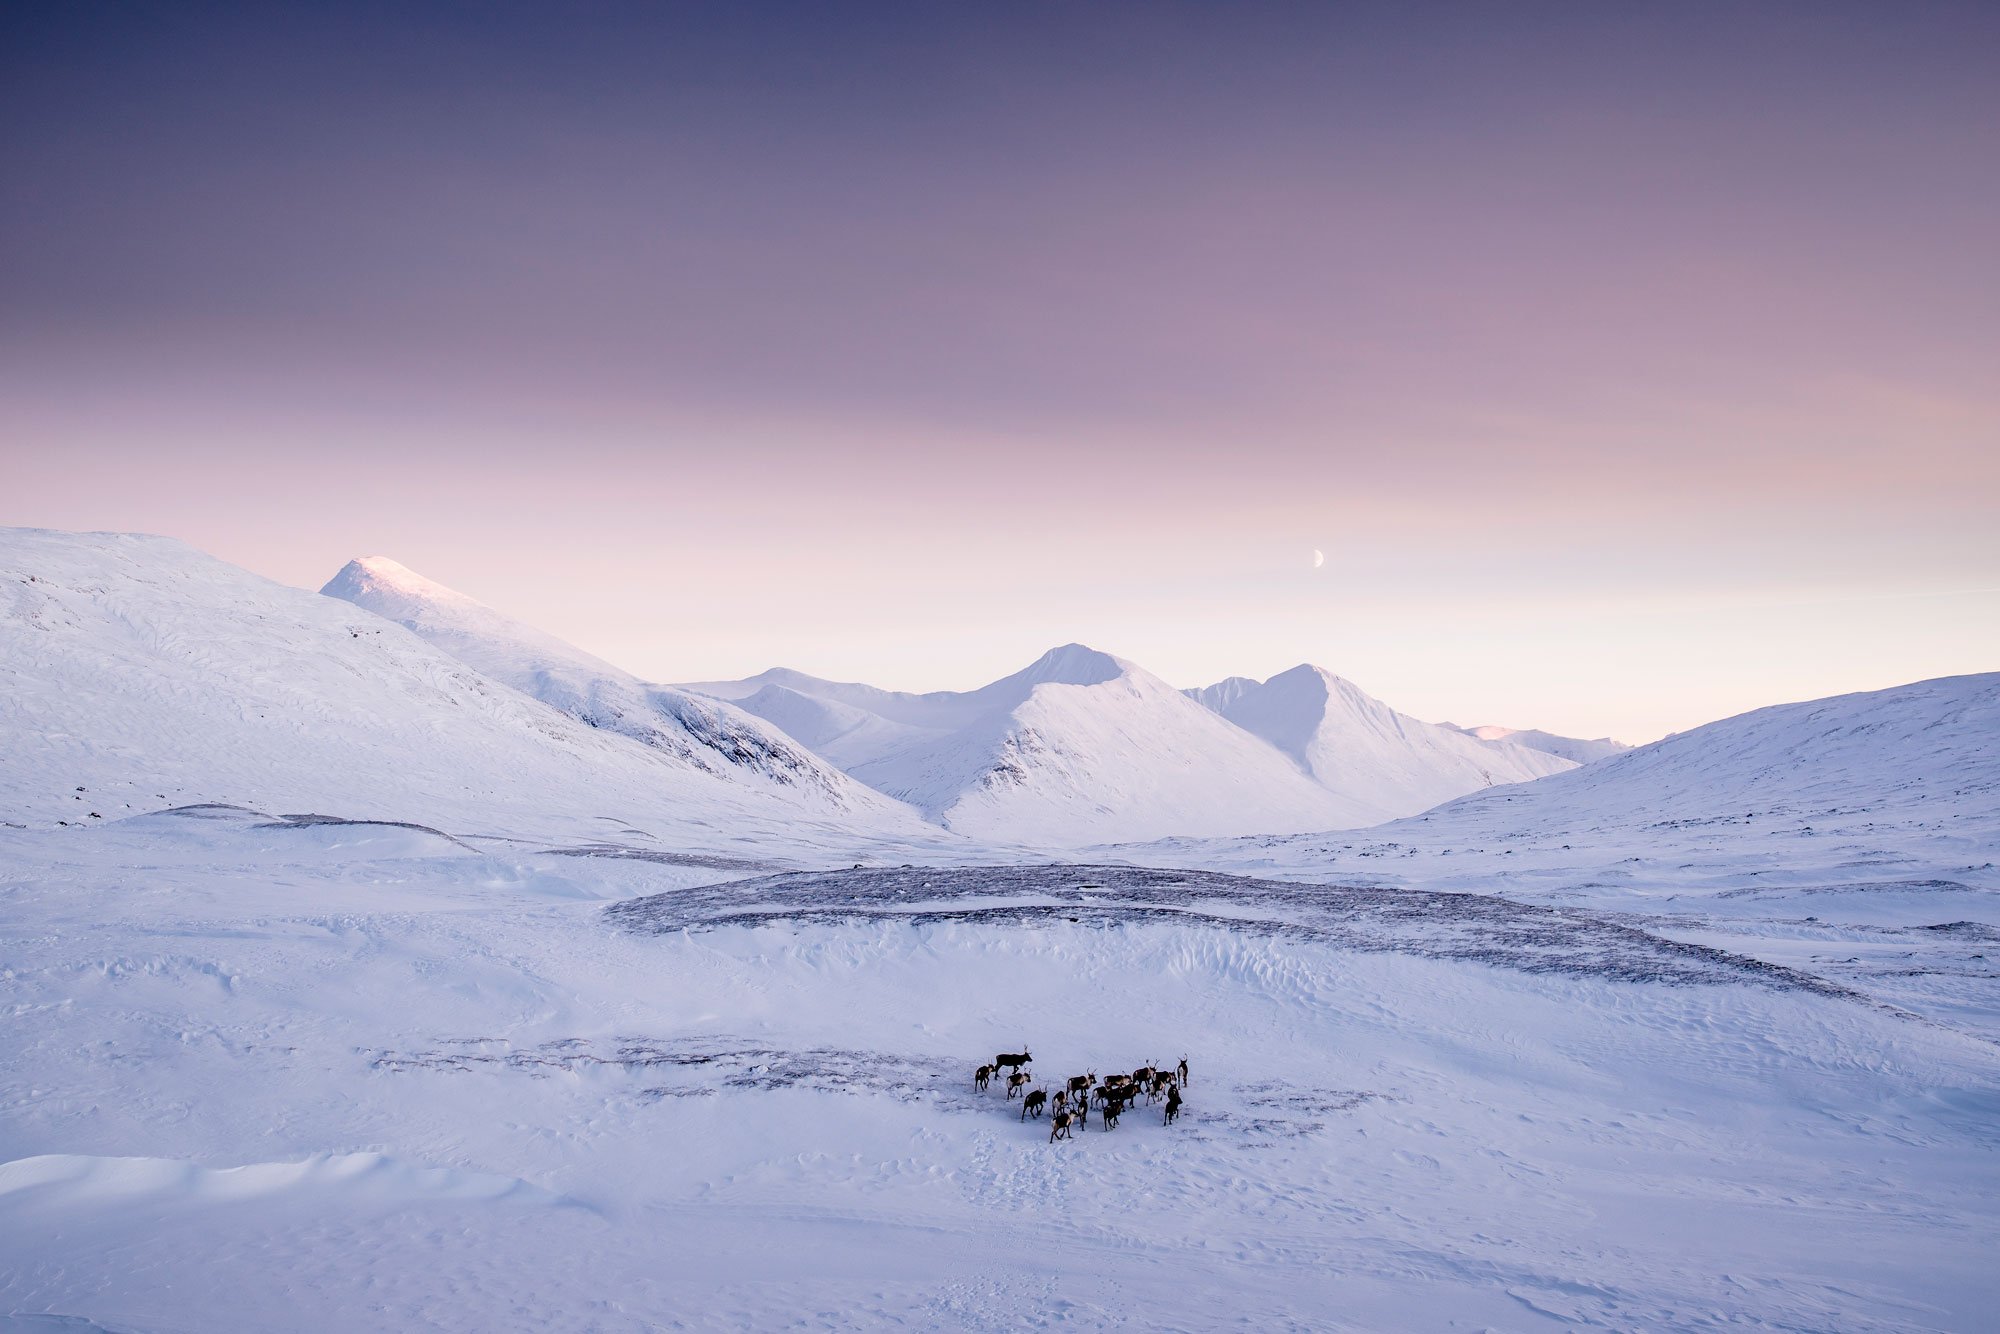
{"x": 1632, "y": 365}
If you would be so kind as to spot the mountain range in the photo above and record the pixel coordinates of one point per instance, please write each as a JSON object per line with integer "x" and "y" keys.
{"x": 1081, "y": 746}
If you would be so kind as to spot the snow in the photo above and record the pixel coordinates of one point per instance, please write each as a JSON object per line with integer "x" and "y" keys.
{"x": 1356, "y": 745}
{"x": 694, "y": 731}
{"x": 1575, "y": 749}
{"x": 1083, "y": 747}
{"x": 385, "y": 995}
{"x": 426, "y": 1089}
{"x": 1077, "y": 747}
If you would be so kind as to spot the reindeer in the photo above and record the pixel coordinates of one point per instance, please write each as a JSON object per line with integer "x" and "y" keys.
{"x": 1082, "y": 1084}
{"x": 981, "y": 1077}
{"x": 1113, "y": 1097}
{"x": 1143, "y": 1076}
{"x": 1011, "y": 1060}
{"x": 1059, "y": 1127}
{"x": 1173, "y": 1103}
{"x": 1032, "y": 1104}
{"x": 1060, "y": 1103}
{"x": 1162, "y": 1081}
{"x": 1182, "y": 1071}
{"x": 1017, "y": 1081}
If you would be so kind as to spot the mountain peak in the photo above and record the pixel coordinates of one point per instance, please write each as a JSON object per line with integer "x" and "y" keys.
{"x": 1076, "y": 665}
{"x": 379, "y": 574}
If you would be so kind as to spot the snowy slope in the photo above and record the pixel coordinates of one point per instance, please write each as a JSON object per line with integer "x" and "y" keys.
{"x": 1575, "y": 749}
{"x": 137, "y": 673}
{"x": 1926, "y": 751}
{"x": 1078, "y": 747}
{"x": 846, "y": 723}
{"x": 696, "y": 731}
{"x": 1359, "y": 747}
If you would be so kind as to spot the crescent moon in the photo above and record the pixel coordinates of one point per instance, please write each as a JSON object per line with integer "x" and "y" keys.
{"x": 1319, "y": 558}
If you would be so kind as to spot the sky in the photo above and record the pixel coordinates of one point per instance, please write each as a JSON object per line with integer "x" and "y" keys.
{"x": 1631, "y": 365}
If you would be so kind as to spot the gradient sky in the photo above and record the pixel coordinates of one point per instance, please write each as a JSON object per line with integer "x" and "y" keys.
{"x": 1633, "y": 365}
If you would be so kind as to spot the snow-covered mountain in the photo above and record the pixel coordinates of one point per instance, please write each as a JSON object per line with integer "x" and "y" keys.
{"x": 695, "y": 730}
{"x": 1355, "y": 745}
{"x": 1927, "y": 751}
{"x": 1878, "y": 794}
{"x": 1575, "y": 749}
{"x": 137, "y": 673}
{"x": 1078, "y": 747}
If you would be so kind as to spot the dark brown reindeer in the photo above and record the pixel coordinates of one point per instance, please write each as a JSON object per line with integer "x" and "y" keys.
{"x": 1182, "y": 1070}
{"x": 1162, "y": 1081}
{"x": 1111, "y": 1112}
{"x": 1060, "y": 1103}
{"x": 981, "y": 1077}
{"x": 1173, "y": 1103}
{"x": 1082, "y": 1084}
{"x": 1060, "y": 1126}
{"x": 1018, "y": 1081}
{"x": 1032, "y": 1104}
{"x": 1011, "y": 1060}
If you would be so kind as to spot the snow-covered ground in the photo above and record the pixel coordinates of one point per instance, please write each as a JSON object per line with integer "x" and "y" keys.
{"x": 262, "y": 1074}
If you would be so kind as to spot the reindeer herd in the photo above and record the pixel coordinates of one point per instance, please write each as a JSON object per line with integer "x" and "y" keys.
{"x": 1069, "y": 1105}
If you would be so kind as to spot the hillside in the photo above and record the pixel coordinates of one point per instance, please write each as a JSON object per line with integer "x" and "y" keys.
{"x": 139, "y": 673}
{"x": 695, "y": 731}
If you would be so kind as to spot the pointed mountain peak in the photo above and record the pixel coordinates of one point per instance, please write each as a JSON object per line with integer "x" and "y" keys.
{"x": 381, "y": 575}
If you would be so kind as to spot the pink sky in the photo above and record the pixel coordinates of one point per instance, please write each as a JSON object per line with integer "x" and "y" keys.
{"x": 1631, "y": 369}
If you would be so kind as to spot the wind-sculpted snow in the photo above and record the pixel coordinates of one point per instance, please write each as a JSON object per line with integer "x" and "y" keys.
{"x": 1473, "y": 927}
